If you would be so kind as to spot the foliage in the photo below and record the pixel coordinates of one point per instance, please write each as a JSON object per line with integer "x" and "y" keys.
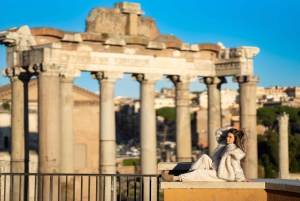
{"x": 294, "y": 153}
{"x": 104, "y": 35}
{"x": 166, "y": 112}
{"x": 268, "y": 153}
{"x": 6, "y": 105}
{"x": 267, "y": 115}
{"x": 197, "y": 92}
{"x": 169, "y": 113}
{"x": 131, "y": 162}
{"x": 134, "y": 162}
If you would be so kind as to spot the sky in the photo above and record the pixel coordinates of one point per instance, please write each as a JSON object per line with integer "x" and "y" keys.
{"x": 271, "y": 25}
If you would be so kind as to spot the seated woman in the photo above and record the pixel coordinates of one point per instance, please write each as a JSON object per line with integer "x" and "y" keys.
{"x": 224, "y": 162}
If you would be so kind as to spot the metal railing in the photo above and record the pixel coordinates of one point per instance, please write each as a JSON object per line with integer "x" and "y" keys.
{"x": 79, "y": 187}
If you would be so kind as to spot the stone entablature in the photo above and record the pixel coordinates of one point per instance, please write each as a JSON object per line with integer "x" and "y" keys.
{"x": 100, "y": 61}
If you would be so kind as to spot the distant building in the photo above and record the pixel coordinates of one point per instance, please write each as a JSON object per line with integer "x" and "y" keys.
{"x": 276, "y": 96}
{"x": 228, "y": 99}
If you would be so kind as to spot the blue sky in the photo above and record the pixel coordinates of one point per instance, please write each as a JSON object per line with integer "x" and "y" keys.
{"x": 273, "y": 26}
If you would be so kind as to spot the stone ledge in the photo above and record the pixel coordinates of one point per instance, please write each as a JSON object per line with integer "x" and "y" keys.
{"x": 266, "y": 184}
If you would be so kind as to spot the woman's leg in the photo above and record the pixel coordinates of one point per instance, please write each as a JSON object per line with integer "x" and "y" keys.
{"x": 199, "y": 175}
{"x": 204, "y": 162}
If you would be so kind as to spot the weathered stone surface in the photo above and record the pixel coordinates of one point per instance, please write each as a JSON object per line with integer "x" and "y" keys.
{"x": 283, "y": 143}
{"x": 21, "y": 38}
{"x": 260, "y": 189}
{"x": 147, "y": 27}
{"x": 121, "y": 21}
{"x": 127, "y": 7}
{"x": 115, "y": 41}
{"x": 72, "y": 37}
{"x": 156, "y": 45}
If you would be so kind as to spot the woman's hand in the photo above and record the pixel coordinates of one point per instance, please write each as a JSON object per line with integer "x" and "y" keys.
{"x": 246, "y": 180}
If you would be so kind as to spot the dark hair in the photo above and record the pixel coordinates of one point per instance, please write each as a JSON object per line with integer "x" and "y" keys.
{"x": 240, "y": 138}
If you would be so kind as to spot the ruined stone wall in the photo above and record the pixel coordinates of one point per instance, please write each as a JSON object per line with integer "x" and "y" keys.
{"x": 112, "y": 21}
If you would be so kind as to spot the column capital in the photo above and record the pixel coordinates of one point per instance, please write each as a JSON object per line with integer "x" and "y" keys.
{"x": 245, "y": 78}
{"x": 110, "y": 76}
{"x": 16, "y": 73}
{"x": 45, "y": 69}
{"x": 68, "y": 75}
{"x": 283, "y": 119}
{"x": 181, "y": 78}
{"x": 213, "y": 80}
{"x": 149, "y": 77}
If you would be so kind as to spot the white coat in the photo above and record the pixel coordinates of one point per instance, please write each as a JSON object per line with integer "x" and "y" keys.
{"x": 222, "y": 165}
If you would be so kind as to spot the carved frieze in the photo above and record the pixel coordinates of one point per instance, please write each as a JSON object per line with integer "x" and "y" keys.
{"x": 238, "y": 52}
{"x": 228, "y": 66}
{"x": 131, "y": 62}
{"x": 114, "y": 61}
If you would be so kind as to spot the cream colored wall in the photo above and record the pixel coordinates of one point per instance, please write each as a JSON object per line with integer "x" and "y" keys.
{"x": 86, "y": 132}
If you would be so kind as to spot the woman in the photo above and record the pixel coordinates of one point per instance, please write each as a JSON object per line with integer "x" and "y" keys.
{"x": 224, "y": 162}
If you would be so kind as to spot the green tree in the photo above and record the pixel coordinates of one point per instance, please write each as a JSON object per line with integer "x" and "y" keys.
{"x": 266, "y": 116}
{"x": 272, "y": 144}
{"x": 169, "y": 113}
{"x": 294, "y": 153}
{"x": 6, "y": 105}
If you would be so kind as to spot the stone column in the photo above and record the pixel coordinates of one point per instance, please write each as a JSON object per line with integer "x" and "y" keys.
{"x": 283, "y": 124}
{"x": 183, "y": 120}
{"x": 148, "y": 131}
{"x": 107, "y": 137}
{"x": 19, "y": 129}
{"x": 49, "y": 126}
{"x": 247, "y": 89}
{"x": 67, "y": 119}
{"x": 214, "y": 119}
{"x": 67, "y": 129}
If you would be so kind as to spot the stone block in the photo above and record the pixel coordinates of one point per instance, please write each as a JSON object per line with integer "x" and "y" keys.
{"x": 126, "y": 7}
{"x": 72, "y": 37}
{"x": 185, "y": 46}
{"x": 156, "y": 45}
{"x": 115, "y": 41}
{"x": 195, "y": 48}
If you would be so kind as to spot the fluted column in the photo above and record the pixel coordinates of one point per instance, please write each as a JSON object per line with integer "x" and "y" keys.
{"x": 148, "y": 130}
{"x": 19, "y": 129}
{"x": 283, "y": 124}
{"x": 183, "y": 120}
{"x": 214, "y": 108}
{"x": 247, "y": 89}
{"x": 107, "y": 137}
{"x": 67, "y": 119}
